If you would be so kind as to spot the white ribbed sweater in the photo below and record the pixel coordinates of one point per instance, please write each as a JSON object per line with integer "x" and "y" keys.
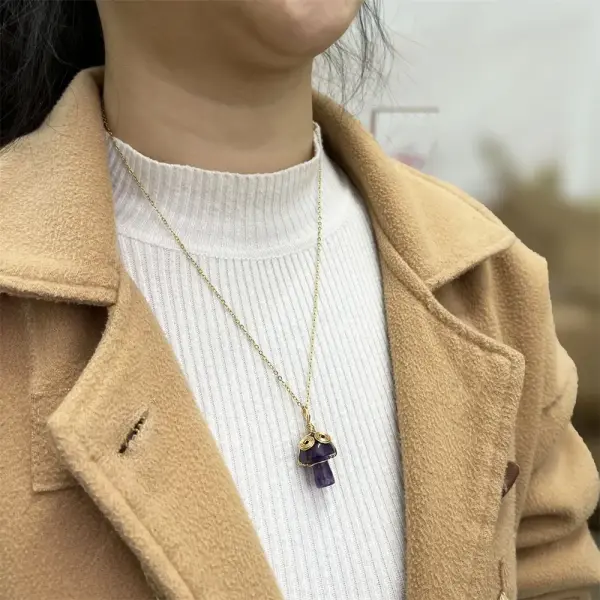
{"x": 255, "y": 236}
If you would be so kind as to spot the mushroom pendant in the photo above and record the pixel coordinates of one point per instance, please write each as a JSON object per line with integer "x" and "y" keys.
{"x": 316, "y": 449}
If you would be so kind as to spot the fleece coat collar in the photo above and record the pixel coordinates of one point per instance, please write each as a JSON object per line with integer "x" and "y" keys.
{"x": 170, "y": 495}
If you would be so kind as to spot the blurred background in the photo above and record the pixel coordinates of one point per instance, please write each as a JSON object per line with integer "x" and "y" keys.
{"x": 502, "y": 98}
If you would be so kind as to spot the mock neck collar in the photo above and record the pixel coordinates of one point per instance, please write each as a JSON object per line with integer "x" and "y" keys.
{"x": 227, "y": 214}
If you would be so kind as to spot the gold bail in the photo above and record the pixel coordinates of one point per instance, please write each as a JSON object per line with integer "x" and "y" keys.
{"x": 308, "y": 418}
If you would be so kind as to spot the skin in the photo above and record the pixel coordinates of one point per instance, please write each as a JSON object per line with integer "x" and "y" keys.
{"x": 220, "y": 84}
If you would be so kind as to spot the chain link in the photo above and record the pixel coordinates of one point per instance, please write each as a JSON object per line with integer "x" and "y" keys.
{"x": 304, "y": 406}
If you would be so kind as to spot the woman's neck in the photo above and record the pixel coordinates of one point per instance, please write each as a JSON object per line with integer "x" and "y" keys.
{"x": 217, "y": 120}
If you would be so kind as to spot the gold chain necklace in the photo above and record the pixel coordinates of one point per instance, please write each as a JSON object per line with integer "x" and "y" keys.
{"x": 316, "y": 448}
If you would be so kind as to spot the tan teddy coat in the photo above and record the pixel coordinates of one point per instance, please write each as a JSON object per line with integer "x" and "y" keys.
{"x": 90, "y": 511}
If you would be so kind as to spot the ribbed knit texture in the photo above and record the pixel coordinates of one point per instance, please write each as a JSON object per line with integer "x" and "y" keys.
{"x": 255, "y": 235}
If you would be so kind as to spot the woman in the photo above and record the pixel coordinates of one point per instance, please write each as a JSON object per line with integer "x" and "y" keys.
{"x": 192, "y": 245}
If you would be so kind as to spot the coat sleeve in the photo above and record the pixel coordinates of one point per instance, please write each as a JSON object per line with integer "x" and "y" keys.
{"x": 557, "y": 558}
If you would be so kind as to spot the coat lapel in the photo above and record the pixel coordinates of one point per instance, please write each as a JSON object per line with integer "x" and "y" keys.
{"x": 457, "y": 390}
{"x": 457, "y": 393}
{"x": 130, "y": 432}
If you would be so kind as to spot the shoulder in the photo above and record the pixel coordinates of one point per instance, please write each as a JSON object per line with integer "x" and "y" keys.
{"x": 439, "y": 197}
{"x": 501, "y": 284}
{"x": 445, "y": 234}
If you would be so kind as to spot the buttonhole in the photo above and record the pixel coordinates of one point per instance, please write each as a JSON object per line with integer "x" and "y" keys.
{"x": 133, "y": 432}
{"x": 510, "y": 476}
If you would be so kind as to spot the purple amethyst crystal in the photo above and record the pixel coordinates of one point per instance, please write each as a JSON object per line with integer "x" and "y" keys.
{"x": 317, "y": 457}
{"x": 323, "y": 474}
{"x": 317, "y": 454}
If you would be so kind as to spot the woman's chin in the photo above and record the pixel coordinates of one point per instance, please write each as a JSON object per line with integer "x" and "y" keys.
{"x": 304, "y": 28}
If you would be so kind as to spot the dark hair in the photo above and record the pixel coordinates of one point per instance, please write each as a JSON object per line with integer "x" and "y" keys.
{"x": 43, "y": 44}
